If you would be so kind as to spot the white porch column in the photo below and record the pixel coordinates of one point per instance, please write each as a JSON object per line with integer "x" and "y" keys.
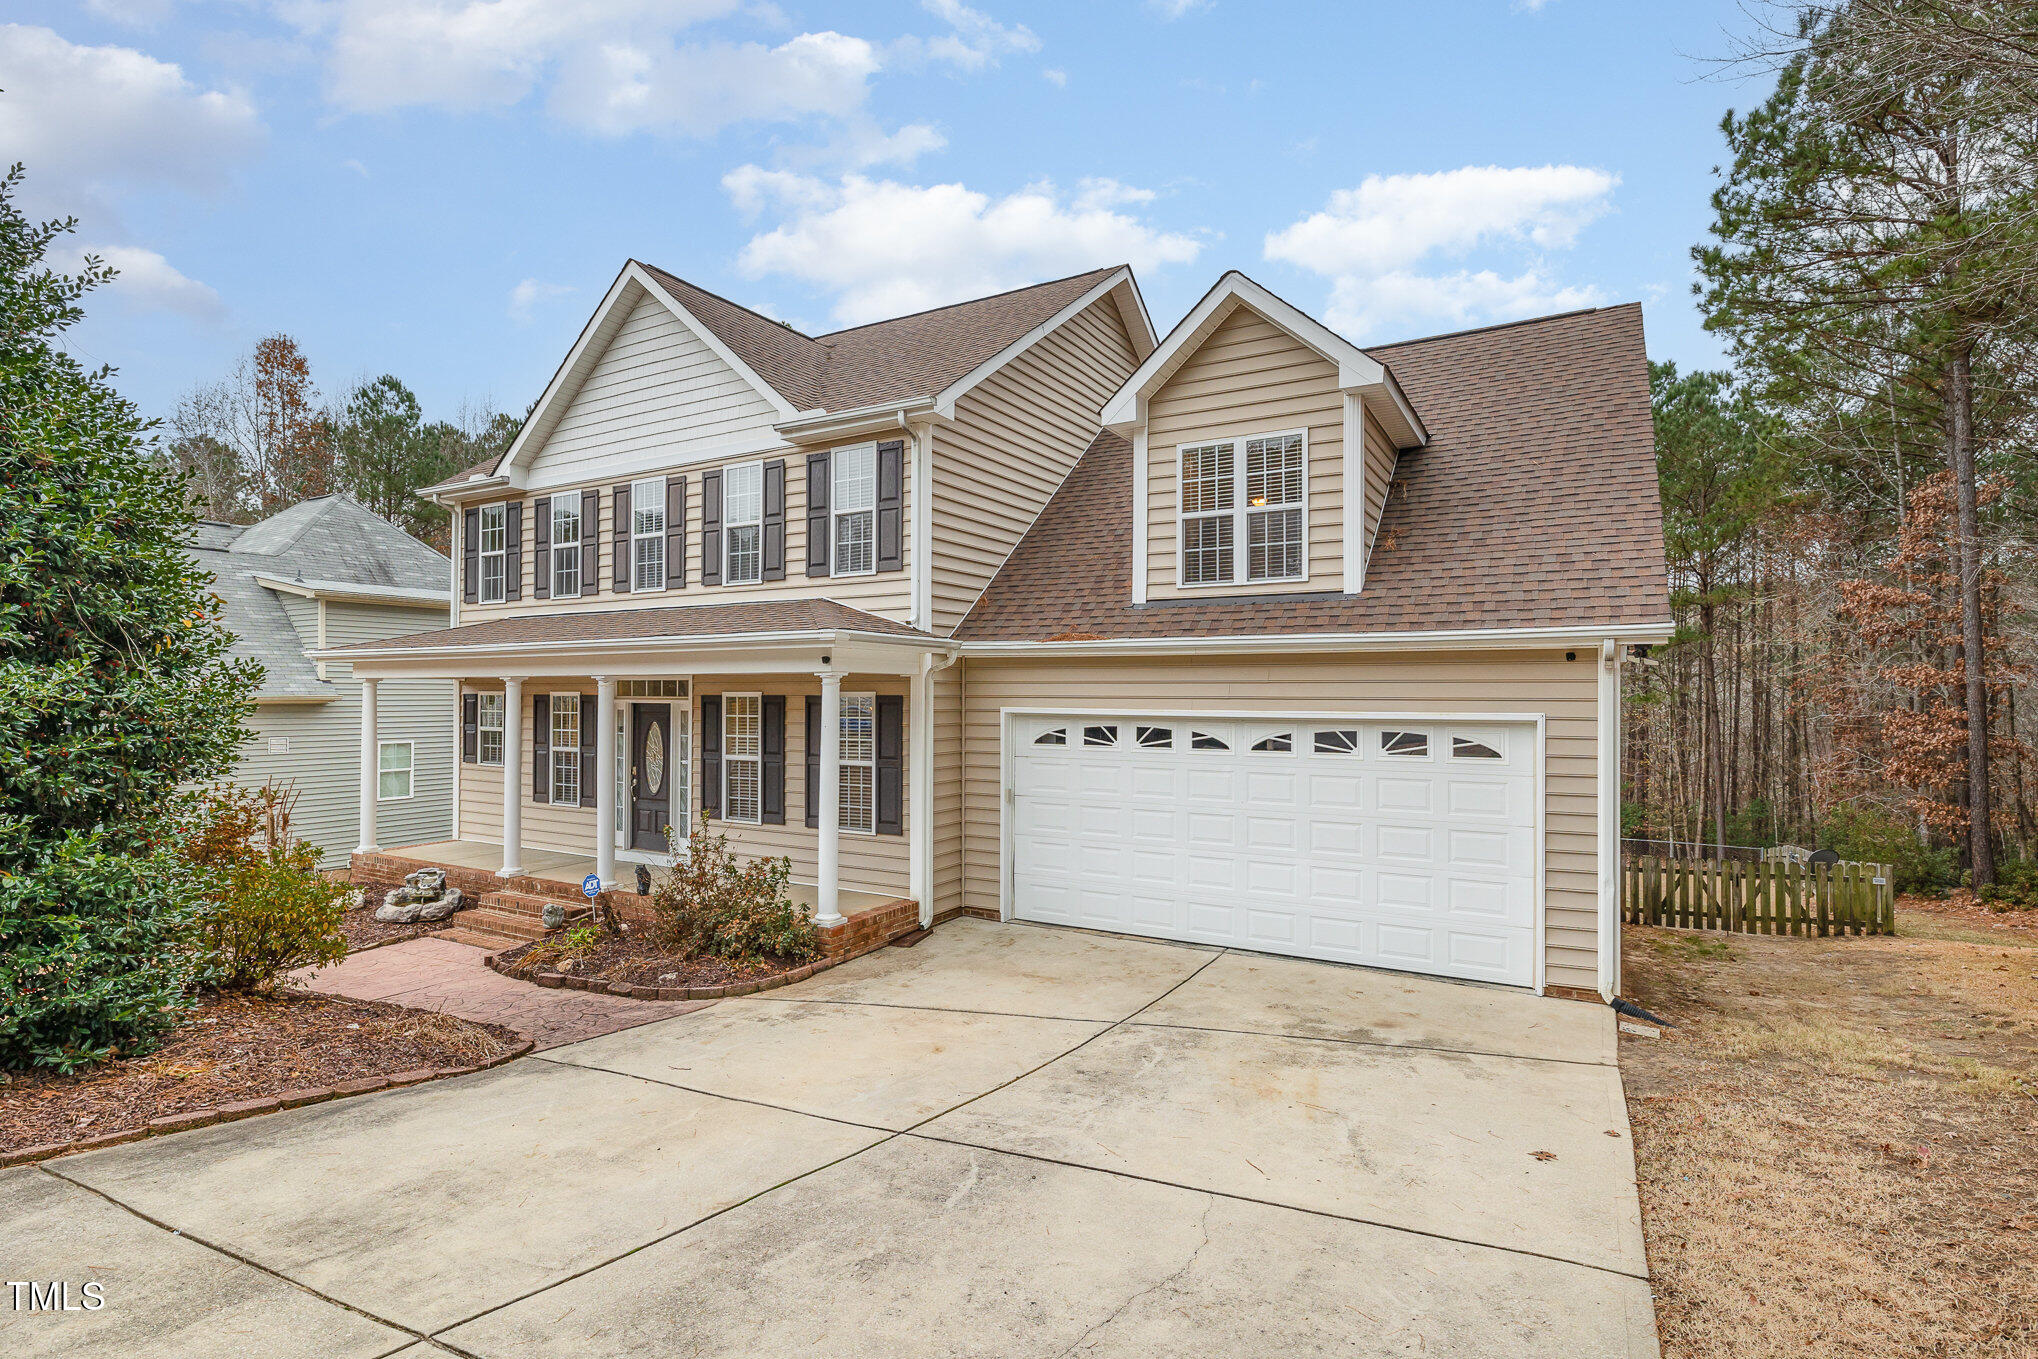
{"x": 605, "y": 780}
{"x": 513, "y": 776}
{"x": 371, "y": 770}
{"x": 827, "y": 895}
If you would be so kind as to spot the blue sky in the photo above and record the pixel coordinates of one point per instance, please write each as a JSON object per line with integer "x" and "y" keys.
{"x": 443, "y": 189}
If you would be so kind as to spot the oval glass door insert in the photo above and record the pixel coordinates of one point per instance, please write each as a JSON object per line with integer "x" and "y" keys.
{"x": 654, "y": 758}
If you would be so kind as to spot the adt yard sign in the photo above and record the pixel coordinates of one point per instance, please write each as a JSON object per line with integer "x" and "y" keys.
{"x": 590, "y": 886}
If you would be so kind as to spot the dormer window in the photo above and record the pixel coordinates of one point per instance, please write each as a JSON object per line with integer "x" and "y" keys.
{"x": 1249, "y": 528}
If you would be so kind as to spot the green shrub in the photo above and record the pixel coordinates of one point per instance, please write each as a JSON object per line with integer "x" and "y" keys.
{"x": 2015, "y": 887}
{"x": 710, "y": 904}
{"x": 1871, "y": 835}
{"x": 269, "y": 910}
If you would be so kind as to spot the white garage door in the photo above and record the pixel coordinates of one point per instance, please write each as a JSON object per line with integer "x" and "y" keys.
{"x": 1405, "y": 844}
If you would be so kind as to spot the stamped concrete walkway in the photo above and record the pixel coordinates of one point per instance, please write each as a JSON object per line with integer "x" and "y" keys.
{"x": 433, "y": 973}
{"x": 1010, "y": 1141}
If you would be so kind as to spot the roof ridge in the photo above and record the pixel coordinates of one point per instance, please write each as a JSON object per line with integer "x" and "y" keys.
{"x": 731, "y": 302}
{"x": 826, "y": 336}
{"x": 1500, "y": 325}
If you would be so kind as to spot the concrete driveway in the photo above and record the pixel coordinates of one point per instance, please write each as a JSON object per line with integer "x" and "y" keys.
{"x": 1008, "y": 1141}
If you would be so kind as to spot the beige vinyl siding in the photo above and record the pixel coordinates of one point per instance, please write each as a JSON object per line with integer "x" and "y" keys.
{"x": 323, "y": 762}
{"x": 1381, "y": 460}
{"x": 873, "y": 863}
{"x": 1014, "y": 439}
{"x": 1249, "y": 377}
{"x": 888, "y": 593}
{"x": 1483, "y": 682}
{"x": 657, "y": 395}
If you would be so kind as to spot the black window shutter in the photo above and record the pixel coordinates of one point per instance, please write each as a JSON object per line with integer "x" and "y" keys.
{"x": 711, "y": 527}
{"x": 513, "y": 550}
{"x": 774, "y": 519}
{"x": 891, "y": 765}
{"x": 711, "y": 755}
{"x": 470, "y": 555}
{"x": 771, "y": 762}
{"x": 590, "y": 542}
{"x": 470, "y": 728}
{"x": 590, "y": 717}
{"x": 620, "y": 529}
{"x": 813, "y": 761}
{"x": 541, "y": 547}
{"x": 675, "y": 532}
{"x": 891, "y": 506}
{"x": 541, "y": 746}
{"x": 817, "y": 514}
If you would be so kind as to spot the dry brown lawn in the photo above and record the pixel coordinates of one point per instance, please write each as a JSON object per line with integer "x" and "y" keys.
{"x": 1838, "y": 1143}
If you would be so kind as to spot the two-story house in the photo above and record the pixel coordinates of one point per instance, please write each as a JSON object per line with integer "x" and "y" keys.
{"x": 1244, "y": 636}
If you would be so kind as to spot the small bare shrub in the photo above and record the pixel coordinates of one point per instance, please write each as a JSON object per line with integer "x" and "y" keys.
{"x": 268, "y": 908}
{"x": 711, "y": 904}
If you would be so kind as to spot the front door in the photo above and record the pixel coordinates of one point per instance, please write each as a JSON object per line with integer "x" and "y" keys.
{"x": 651, "y": 766}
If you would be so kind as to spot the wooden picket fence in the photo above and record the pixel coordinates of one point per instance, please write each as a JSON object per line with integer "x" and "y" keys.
{"x": 1758, "y": 898}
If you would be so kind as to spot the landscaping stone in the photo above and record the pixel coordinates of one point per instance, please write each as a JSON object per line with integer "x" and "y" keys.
{"x": 424, "y": 896}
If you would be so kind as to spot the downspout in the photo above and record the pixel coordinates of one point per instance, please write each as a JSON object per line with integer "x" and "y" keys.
{"x": 921, "y": 783}
{"x": 1609, "y": 740}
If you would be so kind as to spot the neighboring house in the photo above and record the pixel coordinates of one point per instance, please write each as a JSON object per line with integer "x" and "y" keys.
{"x": 1244, "y": 636}
{"x": 325, "y": 573}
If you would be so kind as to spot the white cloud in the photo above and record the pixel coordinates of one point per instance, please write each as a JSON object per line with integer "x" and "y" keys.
{"x": 700, "y": 88}
{"x": 145, "y": 281}
{"x": 91, "y": 122}
{"x": 1172, "y": 10}
{"x": 1094, "y": 192}
{"x": 974, "y": 40}
{"x": 528, "y": 294}
{"x": 1056, "y": 77}
{"x": 882, "y": 248}
{"x": 1373, "y": 242}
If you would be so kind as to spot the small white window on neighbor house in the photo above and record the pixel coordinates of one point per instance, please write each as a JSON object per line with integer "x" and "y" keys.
{"x": 854, "y": 508}
{"x": 393, "y": 771}
{"x": 858, "y": 757}
{"x": 743, "y": 524}
{"x": 565, "y": 546}
{"x": 742, "y": 749}
{"x": 647, "y": 534}
{"x": 488, "y": 714}
{"x": 494, "y": 548}
{"x": 566, "y": 749}
{"x": 1208, "y": 508}
{"x": 1274, "y": 473}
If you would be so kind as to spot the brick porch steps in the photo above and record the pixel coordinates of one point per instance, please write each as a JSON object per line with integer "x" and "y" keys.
{"x": 518, "y": 916}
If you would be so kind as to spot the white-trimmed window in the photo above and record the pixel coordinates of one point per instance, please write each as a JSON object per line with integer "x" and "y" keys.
{"x": 566, "y": 749}
{"x": 743, "y": 524}
{"x": 488, "y": 718}
{"x": 565, "y": 547}
{"x": 853, "y": 472}
{"x": 494, "y": 547}
{"x": 857, "y": 759}
{"x": 742, "y": 757}
{"x": 647, "y": 534}
{"x": 393, "y": 770}
{"x": 1246, "y": 523}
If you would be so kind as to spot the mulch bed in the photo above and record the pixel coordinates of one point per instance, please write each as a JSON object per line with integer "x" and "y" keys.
{"x": 634, "y": 959}
{"x": 363, "y": 930}
{"x": 237, "y": 1049}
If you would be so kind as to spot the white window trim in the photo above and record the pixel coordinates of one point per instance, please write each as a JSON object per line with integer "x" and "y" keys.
{"x": 411, "y": 769}
{"x": 636, "y": 489}
{"x": 729, "y": 524}
{"x": 481, "y": 727}
{"x": 572, "y": 752}
{"x": 843, "y": 762}
{"x": 567, "y": 503}
{"x": 1240, "y": 513}
{"x": 729, "y": 761}
{"x": 836, "y": 512}
{"x": 501, "y": 554}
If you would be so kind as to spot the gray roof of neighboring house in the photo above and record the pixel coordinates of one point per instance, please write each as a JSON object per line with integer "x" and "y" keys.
{"x": 328, "y": 539}
{"x": 679, "y": 622}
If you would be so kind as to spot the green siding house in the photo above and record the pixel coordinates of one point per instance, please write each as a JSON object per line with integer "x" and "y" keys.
{"x": 327, "y": 572}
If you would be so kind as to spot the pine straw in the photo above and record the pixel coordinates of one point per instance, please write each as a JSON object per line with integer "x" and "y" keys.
{"x": 1838, "y": 1145}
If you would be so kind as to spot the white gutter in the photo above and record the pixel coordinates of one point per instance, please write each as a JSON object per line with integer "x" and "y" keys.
{"x": 731, "y": 641}
{"x": 352, "y": 592}
{"x": 1486, "y": 638}
{"x": 860, "y": 420}
{"x": 459, "y": 490}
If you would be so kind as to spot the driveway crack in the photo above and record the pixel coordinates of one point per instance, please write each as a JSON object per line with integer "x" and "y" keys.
{"x": 1203, "y": 1226}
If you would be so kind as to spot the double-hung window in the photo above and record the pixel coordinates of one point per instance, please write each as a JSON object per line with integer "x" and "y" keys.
{"x": 566, "y": 749}
{"x": 488, "y": 717}
{"x": 494, "y": 546}
{"x": 742, "y": 754}
{"x": 857, "y": 758}
{"x": 743, "y": 524}
{"x": 565, "y": 547}
{"x": 854, "y": 498}
{"x": 1244, "y": 523}
{"x": 647, "y": 534}
{"x": 393, "y": 768}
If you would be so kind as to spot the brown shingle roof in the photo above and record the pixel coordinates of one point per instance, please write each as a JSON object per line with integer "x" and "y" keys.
{"x": 629, "y": 625}
{"x": 1534, "y": 504}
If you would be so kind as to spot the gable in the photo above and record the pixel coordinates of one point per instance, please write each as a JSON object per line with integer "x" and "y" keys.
{"x": 657, "y": 396}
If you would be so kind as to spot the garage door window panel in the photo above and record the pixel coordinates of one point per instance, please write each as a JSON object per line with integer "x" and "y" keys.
{"x": 1476, "y": 748}
{"x": 1407, "y": 745}
{"x": 1340, "y": 741}
{"x": 1056, "y": 736}
{"x": 1154, "y": 738}
{"x": 1280, "y": 743}
{"x": 1100, "y": 736}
